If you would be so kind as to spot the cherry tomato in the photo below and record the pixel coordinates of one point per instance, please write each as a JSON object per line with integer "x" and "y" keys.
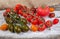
{"x": 48, "y": 23}
{"x": 4, "y": 14}
{"x": 4, "y": 27}
{"x": 43, "y": 11}
{"x": 51, "y": 15}
{"x": 41, "y": 20}
{"x": 37, "y": 14}
{"x": 34, "y": 21}
{"x": 41, "y": 27}
{"x": 51, "y": 9}
{"x": 8, "y": 10}
{"x": 33, "y": 10}
{"x": 36, "y": 17}
{"x": 18, "y": 6}
{"x": 15, "y": 10}
{"x": 29, "y": 18}
{"x": 34, "y": 28}
{"x": 25, "y": 15}
{"x": 20, "y": 12}
{"x": 25, "y": 9}
{"x": 55, "y": 21}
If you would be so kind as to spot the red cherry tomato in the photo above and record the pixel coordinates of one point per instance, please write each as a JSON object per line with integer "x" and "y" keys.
{"x": 41, "y": 27}
{"x": 25, "y": 15}
{"x": 55, "y": 21}
{"x": 20, "y": 12}
{"x": 43, "y": 11}
{"x": 34, "y": 21}
{"x": 4, "y": 14}
{"x": 51, "y": 15}
{"x": 48, "y": 23}
{"x": 15, "y": 10}
{"x": 29, "y": 18}
{"x": 18, "y": 6}
{"x": 41, "y": 20}
{"x": 8, "y": 10}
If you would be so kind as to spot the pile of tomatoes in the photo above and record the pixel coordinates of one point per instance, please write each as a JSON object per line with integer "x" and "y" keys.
{"x": 35, "y": 16}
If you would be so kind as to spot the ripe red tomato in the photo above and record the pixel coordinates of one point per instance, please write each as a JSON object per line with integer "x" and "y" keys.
{"x": 37, "y": 14}
{"x": 15, "y": 10}
{"x": 20, "y": 12}
{"x": 34, "y": 21}
{"x": 48, "y": 23}
{"x": 41, "y": 20}
{"x": 31, "y": 13}
{"x": 41, "y": 27}
{"x": 55, "y": 21}
{"x": 51, "y": 15}
{"x": 33, "y": 9}
{"x": 18, "y": 6}
{"x": 43, "y": 11}
{"x": 25, "y": 15}
{"x": 29, "y": 18}
{"x": 8, "y": 10}
{"x": 4, "y": 14}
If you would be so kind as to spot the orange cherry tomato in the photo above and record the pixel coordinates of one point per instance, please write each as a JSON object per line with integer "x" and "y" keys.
{"x": 34, "y": 28}
{"x": 0, "y": 27}
{"x": 52, "y": 9}
{"x": 4, "y": 27}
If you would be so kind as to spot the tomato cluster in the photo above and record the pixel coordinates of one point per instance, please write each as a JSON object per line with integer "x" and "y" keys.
{"x": 35, "y": 16}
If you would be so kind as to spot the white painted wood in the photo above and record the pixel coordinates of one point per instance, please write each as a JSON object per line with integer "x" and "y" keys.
{"x": 55, "y": 30}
